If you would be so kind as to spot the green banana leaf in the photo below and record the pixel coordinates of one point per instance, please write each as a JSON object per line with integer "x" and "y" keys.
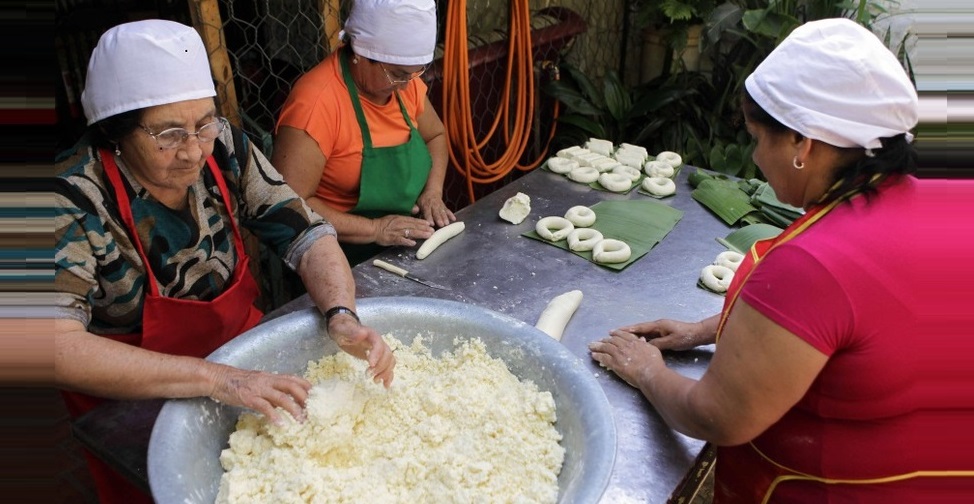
{"x": 740, "y": 240}
{"x": 640, "y": 223}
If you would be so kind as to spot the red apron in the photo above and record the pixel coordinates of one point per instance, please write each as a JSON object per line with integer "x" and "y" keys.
{"x": 744, "y": 474}
{"x": 172, "y": 326}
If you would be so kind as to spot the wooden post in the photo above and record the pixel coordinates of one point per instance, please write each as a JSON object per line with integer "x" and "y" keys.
{"x": 331, "y": 12}
{"x": 206, "y": 19}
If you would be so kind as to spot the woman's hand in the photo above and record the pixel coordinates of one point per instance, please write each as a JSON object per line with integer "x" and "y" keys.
{"x": 365, "y": 343}
{"x": 401, "y": 230}
{"x": 430, "y": 206}
{"x": 259, "y": 391}
{"x": 629, "y": 356}
{"x": 668, "y": 334}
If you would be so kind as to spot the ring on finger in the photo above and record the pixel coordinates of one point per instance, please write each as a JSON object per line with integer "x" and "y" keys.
{"x": 406, "y": 233}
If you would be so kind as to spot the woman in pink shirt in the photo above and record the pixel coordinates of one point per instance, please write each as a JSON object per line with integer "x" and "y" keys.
{"x": 842, "y": 368}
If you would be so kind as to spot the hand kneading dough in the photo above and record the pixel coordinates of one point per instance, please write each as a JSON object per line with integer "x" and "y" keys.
{"x": 611, "y": 251}
{"x": 553, "y": 228}
{"x": 583, "y": 239}
{"x": 580, "y": 216}
{"x": 555, "y": 316}
{"x": 516, "y": 208}
{"x": 439, "y": 237}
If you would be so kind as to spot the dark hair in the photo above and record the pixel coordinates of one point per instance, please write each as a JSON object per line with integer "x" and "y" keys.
{"x": 865, "y": 173}
{"x": 106, "y": 133}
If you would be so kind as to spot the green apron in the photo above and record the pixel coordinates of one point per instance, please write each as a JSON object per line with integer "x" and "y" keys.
{"x": 392, "y": 177}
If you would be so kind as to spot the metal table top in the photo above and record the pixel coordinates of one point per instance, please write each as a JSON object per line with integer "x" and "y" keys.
{"x": 492, "y": 266}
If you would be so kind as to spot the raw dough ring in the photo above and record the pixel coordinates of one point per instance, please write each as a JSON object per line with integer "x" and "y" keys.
{"x": 659, "y": 186}
{"x": 553, "y": 228}
{"x": 583, "y": 239}
{"x": 671, "y": 158}
{"x": 658, "y": 168}
{"x": 629, "y": 171}
{"x": 729, "y": 259}
{"x": 584, "y": 174}
{"x": 611, "y": 251}
{"x": 615, "y": 182}
{"x": 580, "y": 216}
{"x": 561, "y": 165}
{"x": 716, "y": 278}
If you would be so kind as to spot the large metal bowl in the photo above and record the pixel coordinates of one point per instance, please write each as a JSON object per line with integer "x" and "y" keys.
{"x": 189, "y": 434}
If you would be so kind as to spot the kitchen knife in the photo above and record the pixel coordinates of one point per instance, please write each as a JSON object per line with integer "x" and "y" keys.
{"x": 405, "y": 274}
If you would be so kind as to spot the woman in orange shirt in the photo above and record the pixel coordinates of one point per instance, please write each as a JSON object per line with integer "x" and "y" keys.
{"x": 359, "y": 139}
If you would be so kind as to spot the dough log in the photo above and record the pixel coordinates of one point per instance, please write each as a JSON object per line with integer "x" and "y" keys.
{"x": 560, "y": 309}
{"x": 439, "y": 237}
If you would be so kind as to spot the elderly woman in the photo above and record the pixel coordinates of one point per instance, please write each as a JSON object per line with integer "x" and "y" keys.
{"x": 151, "y": 274}
{"x": 827, "y": 383}
{"x": 359, "y": 139}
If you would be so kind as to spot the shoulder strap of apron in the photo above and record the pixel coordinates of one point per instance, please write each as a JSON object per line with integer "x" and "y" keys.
{"x": 357, "y": 104}
{"x": 125, "y": 208}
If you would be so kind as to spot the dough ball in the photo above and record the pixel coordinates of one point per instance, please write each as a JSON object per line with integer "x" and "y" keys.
{"x": 553, "y": 228}
{"x": 516, "y": 208}
{"x": 580, "y": 216}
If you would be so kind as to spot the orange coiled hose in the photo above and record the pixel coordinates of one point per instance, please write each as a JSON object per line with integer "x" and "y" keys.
{"x": 516, "y": 115}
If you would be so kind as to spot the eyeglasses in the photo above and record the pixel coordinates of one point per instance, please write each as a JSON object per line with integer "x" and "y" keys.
{"x": 404, "y": 77}
{"x": 174, "y": 137}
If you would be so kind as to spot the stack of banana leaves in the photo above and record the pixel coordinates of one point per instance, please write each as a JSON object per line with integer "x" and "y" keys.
{"x": 741, "y": 202}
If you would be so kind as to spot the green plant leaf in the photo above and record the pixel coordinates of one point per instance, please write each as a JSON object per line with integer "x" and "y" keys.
{"x": 586, "y": 124}
{"x": 586, "y": 86}
{"x": 617, "y": 99}
{"x": 725, "y": 16}
{"x": 572, "y": 98}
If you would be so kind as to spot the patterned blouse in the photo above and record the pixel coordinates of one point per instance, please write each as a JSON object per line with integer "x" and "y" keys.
{"x": 98, "y": 275}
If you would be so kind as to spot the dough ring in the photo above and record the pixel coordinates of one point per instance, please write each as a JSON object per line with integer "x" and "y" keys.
{"x": 629, "y": 171}
{"x": 671, "y": 158}
{"x": 561, "y": 165}
{"x": 611, "y": 251}
{"x": 584, "y": 174}
{"x": 716, "y": 278}
{"x": 615, "y": 182}
{"x": 658, "y": 168}
{"x": 583, "y": 239}
{"x": 659, "y": 186}
{"x": 729, "y": 259}
{"x": 580, "y": 216}
{"x": 554, "y": 228}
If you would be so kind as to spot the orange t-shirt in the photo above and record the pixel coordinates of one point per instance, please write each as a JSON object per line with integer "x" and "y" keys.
{"x": 319, "y": 104}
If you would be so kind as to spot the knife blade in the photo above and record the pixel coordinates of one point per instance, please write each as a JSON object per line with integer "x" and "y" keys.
{"x": 405, "y": 274}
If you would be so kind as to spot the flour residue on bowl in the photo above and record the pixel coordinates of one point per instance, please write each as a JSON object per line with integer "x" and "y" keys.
{"x": 459, "y": 427}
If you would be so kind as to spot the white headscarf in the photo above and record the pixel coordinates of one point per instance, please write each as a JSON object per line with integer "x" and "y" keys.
{"x": 143, "y": 64}
{"x": 834, "y": 81}
{"x": 398, "y": 32}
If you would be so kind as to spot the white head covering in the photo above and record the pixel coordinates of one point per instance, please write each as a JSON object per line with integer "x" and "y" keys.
{"x": 398, "y": 32}
{"x": 143, "y": 64}
{"x": 834, "y": 81}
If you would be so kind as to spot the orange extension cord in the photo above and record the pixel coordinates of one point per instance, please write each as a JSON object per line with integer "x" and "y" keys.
{"x": 464, "y": 148}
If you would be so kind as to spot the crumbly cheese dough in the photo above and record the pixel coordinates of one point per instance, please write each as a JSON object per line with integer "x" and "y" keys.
{"x": 456, "y": 428}
{"x": 516, "y": 208}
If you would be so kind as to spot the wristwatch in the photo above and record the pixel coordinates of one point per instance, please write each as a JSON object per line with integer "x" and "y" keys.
{"x": 337, "y": 310}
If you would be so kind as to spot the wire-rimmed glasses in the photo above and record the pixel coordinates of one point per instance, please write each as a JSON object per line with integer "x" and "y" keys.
{"x": 404, "y": 77}
{"x": 174, "y": 137}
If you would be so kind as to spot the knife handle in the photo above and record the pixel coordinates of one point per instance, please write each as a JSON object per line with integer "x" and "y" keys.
{"x": 389, "y": 267}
